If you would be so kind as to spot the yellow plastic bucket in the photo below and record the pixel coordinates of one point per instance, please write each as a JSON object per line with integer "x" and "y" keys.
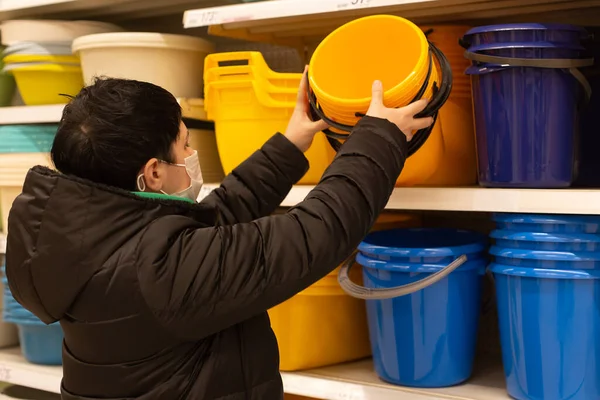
{"x": 322, "y": 325}
{"x": 384, "y": 47}
{"x": 46, "y": 83}
{"x": 249, "y": 104}
{"x": 30, "y": 58}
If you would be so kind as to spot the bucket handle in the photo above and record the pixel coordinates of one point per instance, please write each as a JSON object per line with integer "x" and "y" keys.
{"x": 361, "y": 292}
{"x": 554, "y": 63}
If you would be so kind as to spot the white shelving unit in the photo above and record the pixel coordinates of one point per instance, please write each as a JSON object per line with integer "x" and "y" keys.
{"x": 353, "y": 381}
{"x": 301, "y": 23}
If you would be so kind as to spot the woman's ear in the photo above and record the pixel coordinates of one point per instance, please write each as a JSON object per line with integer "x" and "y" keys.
{"x": 152, "y": 175}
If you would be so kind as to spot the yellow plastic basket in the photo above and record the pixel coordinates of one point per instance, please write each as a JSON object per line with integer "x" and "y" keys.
{"x": 46, "y": 83}
{"x": 251, "y": 103}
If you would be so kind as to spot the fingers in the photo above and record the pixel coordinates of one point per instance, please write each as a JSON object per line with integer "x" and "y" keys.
{"x": 421, "y": 123}
{"x": 319, "y": 125}
{"x": 377, "y": 94}
{"x": 302, "y": 99}
{"x": 416, "y": 107}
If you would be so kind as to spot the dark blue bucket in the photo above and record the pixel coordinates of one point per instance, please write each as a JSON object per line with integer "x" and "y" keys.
{"x": 531, "y": 32}
{"x": 548, "y": 223}
{"x": 526, "y": 122}
{"x": 428, "y": 338}
{"x": 541, "y": 259}
{"x": 572, "y": 242}
{"x": 549, "y": 328}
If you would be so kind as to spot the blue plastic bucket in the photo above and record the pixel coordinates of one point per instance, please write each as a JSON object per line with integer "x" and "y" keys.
{"x": 531, "y": 32}
{"x": 41, "y": 344}
{"x": 428, "y": 338}
{"x": 526, "y": 124}
{"x": 549, "y": 328}
{"x": 571, "y": 242}
{"x": 26, "y": 138}
{"x": 548, "y": 223}
{"x": 541, "y": 259}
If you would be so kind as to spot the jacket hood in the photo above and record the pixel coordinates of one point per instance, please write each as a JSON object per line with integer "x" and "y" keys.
{"x": 62, "y": 230}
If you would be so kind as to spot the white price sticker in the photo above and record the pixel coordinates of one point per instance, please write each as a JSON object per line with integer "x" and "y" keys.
{"x": 353, "y": 4}
{"x": 204, "y": 18}
{"x": 5, "y": 373}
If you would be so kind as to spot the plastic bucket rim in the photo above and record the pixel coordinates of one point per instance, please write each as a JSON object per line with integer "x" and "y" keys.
{"x": 529, "y": 26}
{"x": 358, "y": 102}
{"x": 541, "y": 273}
{"x": 545, "y": 237}
{"x": 525, "y": 45}
{"x": 545, "y": 255}
{"x": 425, "y": 268}
{"x": 546, "y": 219}
{"x": 477, "y": 246}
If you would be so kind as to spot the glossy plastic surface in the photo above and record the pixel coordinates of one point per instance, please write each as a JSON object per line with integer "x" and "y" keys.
{"x": 546, "y": 259}
{"x": 41, "y": 344}
{"x": 529, "y": 32}
{"x": 549, "y": 329}
{"x": 26, "y": 138}
{"x": 525, "y": 123}
{"x": 428, "y": 338}
{"x": 548, "y": 223}
{"x": 546, "y": 241}
{"x": 422, "y": 245}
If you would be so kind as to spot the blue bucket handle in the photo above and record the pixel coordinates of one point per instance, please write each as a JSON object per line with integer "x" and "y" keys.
{"x": 361, "y": 292}
{"x": 554, "y": 63}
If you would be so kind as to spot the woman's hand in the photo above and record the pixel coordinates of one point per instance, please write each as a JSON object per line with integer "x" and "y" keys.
{"x": 403, "y": 117}
{"x": 301, "y": 130}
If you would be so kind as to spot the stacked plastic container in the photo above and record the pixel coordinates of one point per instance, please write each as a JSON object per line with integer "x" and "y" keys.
{"x": 38, "y": 54}
{"x": 249, "y": 103}
{"x": 547, "y": 276}
{"x": 426, "y": 338}
{"x": 173, "y": 62}
{"x": 21, "y": 148}
{"x": 527, "y": 93}
{"x": 40, "y": 343}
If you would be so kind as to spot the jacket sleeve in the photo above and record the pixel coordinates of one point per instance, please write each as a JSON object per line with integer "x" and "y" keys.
{"x": 258, "y": 186}
{"x": 198, "y": 281}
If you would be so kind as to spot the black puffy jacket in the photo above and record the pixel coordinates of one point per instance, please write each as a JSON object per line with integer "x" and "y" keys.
{"x": 163, "y": 299}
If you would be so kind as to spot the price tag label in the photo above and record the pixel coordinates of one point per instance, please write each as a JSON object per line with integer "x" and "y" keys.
{"x": 204, "y": 18}
{"x": 354, "y": 4}
{"x": 5, "y": 373}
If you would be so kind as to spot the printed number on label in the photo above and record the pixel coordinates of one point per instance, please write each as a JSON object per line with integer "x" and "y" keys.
{"x": 349, "y": 4}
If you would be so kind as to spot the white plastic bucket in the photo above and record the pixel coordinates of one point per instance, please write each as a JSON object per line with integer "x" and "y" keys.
{"x": 174, "y": 62}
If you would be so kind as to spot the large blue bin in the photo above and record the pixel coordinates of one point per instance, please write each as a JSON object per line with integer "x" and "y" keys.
{"x": 549, "y": 328}
{"x": 527, "y": 32}
{"x": 547, "y": 223}
{"x": 428, "y": 338}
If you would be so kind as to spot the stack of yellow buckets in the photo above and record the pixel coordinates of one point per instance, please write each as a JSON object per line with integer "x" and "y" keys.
{"x": 249, "y": 103}
{"x": 349, "y": 59}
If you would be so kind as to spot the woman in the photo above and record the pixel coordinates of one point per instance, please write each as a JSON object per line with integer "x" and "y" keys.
{"x": 160, "y": 297}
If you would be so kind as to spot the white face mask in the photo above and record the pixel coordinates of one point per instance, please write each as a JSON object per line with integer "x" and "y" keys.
{"x": 192, "y": 167}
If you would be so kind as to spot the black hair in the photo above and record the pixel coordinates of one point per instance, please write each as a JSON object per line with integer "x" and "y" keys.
{"x": 112, "y": 128}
